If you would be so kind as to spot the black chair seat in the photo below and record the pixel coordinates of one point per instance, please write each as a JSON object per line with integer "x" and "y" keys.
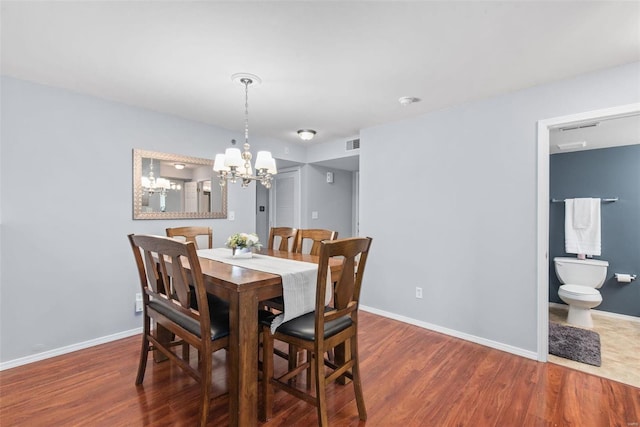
{"x": 219, "y": 319}
{"x": 303, "y": 327}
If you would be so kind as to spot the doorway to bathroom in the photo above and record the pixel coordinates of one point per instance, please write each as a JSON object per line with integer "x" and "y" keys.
{"x": 545, "y": 130}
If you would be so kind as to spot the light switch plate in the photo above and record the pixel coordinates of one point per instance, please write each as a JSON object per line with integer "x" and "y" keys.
{"x": 314, "y": 215}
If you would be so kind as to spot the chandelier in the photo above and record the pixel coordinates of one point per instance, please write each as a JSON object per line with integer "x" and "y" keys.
{"x": 235, "y": 165}
{"x": 153, "y": 185}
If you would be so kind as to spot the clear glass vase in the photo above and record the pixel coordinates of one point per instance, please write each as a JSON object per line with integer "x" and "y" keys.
{"x": 242, "y": 253}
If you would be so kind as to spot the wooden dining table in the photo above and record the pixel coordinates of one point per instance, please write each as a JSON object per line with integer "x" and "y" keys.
{"x": 244, "y": 288}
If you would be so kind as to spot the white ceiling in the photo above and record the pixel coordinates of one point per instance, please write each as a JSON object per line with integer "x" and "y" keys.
{"x": 335, "y": 67}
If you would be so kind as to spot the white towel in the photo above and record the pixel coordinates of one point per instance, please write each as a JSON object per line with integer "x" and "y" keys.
{"x": 583, "y": 237}
{"x": 581, "y": 213}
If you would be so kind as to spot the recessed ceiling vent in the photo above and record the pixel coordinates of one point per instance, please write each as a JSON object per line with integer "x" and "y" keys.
{"x": 581, "y": 126}
{"x": 353, "y": 144}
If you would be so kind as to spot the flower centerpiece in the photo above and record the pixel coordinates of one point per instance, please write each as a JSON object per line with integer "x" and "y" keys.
{"x": 242, "y": 243}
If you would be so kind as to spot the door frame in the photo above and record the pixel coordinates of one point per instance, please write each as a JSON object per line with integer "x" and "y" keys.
{"x": 355, "y": 225}
{"x": 544, "y": 126}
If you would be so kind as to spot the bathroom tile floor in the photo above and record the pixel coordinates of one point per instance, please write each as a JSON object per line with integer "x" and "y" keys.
{"x": 619, "y": 345}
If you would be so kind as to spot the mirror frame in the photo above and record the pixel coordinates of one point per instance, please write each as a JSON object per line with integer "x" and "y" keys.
{"x": 138, "y": 154}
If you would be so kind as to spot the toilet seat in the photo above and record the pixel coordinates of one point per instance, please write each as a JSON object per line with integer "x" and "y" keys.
{"x": 574, "y": 294}
{"x": 579, "y": 290}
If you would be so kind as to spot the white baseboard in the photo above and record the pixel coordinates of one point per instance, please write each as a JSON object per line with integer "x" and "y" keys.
{"x": 600, "y": 313}
{"x": 457, "y": 334}
{"x": 68, "y": 349}
{"x": 451, "y": 332}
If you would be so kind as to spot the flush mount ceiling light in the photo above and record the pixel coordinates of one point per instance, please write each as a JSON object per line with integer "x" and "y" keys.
{"x": 178, "y": 166}
{"x": 233, "y": 164}
{"x": 306, "y": 134}
{"x": 408, "y": 100}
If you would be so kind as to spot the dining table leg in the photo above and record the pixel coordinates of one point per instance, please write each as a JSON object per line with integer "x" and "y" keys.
{"x": 243, "y": 358}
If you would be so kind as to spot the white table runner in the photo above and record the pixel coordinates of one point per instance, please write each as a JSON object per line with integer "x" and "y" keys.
{"x": 298, "y": 280}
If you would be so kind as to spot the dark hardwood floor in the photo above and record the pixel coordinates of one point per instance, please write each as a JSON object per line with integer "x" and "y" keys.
{"x": 418, "y": 378}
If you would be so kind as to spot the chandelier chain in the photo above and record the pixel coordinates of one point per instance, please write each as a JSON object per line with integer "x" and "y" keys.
{"x": 246, "y": 82}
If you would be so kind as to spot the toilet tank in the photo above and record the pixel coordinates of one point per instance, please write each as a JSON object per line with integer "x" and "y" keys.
{"x": 584, "y": 272}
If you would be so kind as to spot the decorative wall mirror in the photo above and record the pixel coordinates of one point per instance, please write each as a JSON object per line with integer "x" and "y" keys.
{"x": 171, "y": 186}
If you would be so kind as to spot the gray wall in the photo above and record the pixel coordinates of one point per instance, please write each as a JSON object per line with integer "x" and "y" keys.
{"x": 605, "y": 173}
{"x": 67, "y": 271}
{"x": 458, "y": 216}
{"x": 331, "y": 201}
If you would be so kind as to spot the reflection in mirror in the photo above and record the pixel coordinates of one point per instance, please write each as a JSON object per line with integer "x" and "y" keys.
{"x": 170, "y": 186}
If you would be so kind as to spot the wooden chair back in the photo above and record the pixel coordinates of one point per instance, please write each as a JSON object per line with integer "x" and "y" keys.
{"x": 162, "y": 261}
{"x": 287, "y": 238}
{"x": 190, "y": 234}
{"x": 346, "y": 290}
{"x": 315, "y": 236}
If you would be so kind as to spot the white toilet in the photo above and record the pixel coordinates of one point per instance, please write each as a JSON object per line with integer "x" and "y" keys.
{"x": 581, "y": 280}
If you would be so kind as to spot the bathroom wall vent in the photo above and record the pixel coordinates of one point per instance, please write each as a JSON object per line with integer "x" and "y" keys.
{"x": 572, "y": 145}
{"x": 580, "y": 126}
{"x": 353, "y": 144}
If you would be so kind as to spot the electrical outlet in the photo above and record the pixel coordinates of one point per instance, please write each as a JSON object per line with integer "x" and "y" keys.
{"x": 418, "y": 293}
{"x": 138, "y": 303}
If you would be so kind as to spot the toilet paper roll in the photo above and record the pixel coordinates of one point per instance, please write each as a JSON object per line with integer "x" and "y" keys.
{"x": 623, "y": 278}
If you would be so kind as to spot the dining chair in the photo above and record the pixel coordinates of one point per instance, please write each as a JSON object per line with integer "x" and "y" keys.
{"x": 287, "y": 238}
{"x": 188, "y": 316}
{"x": 312, "y": 236}
{"x": 320, "y": 330}
{"x": 306, "y": 241}
{"x": 190, "y": 234}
